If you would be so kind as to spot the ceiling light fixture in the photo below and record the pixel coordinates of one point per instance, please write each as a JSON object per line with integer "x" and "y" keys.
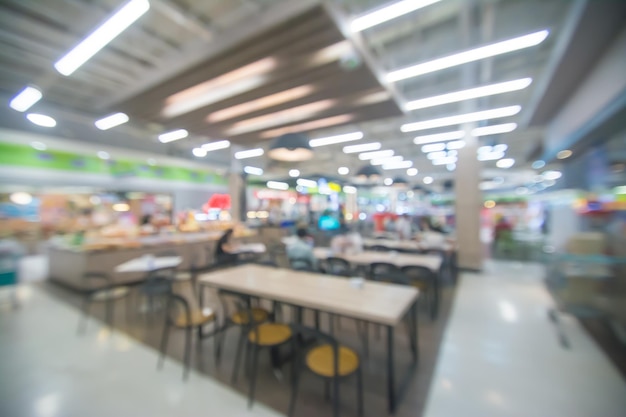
{"x": 250, "y": 153}
{"x": 291, "y": 147}
{"x": 501, "y": 147}
{"x": 40, "y": 146}
{"x": 564, "y": 154}
{"x": 217, "y": 89}
{"x": 303, "y": 182}
{"x": 411, "y": 172}
{"x": 387, "y": 181}
{"x": 538, "y": 164}
{"x": 303, "y": 127}
{"x": 472, "y": 93}
{"x": 437, "y": 155}
{"x": 261, "y": 103}
{"x": 173, "y": 135}
{"x": 368, "y": 172}
{"x": 348, "y": 189}
{"x": 199, "y": 152}
{"x": 471, "y": 55}
{"x": 386, "y": 161}
{"x": 293, "y": 173}
{"x": 343, "y": 170}
{"x": 25, "y": 99}
{"x": 490, "y": 156}
{"x": 433, "y": 147}
{"x": 439, "y": 137}
{"x": 451, "y": 167}
{"x": 455, "y": 144}
{"x": 386, "y": 13}
{"x": 398, "y": 165}
{"x": 41, "y": 120}
{"x": 462, "y": 118}
{"x": 103, "y": 155}
{"x": 445, "y": 160}
{"x": 277, "y": 185}
{"x": 377, "y": 154}
{"x": 428, "y": 180}
{"x": 214, "y": 146}
{"x": 552, "y": 175}
{"x": 364, "y": 147}
{"x": 99, "y": 38}
{"x": 21, "y": 198}
{"x": 111, "y": 121}
{"x": 348, "y": 137}
{"x": 505, "y": 163}
{"x": 494, "y": 129}
{"x": 252, "y": 170}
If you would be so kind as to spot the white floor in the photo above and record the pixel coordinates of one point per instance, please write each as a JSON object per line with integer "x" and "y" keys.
{"x": 47, "y": 370}
{"x": 501, "y": 357}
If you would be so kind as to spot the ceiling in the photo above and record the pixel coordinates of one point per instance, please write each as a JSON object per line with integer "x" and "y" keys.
{"x": 249, "y": 70}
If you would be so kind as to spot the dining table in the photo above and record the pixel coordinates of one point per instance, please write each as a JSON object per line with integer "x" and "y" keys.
{"x": 367, "y": 257}
{"x": 149, "y": 263}
{"x": 380, "y": 303}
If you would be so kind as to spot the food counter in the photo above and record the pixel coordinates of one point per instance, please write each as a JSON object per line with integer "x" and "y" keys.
{"x": 68, "y": 263}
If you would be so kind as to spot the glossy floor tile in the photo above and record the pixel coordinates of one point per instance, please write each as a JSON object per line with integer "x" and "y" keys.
{"x": 501, "y": 356}
{"x": 47, "y": 370}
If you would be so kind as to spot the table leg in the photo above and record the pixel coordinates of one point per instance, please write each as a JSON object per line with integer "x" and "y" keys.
{"x": 436, "y": 289}
{"x": 391, "y": 389}
{"x": 415, "y": 332}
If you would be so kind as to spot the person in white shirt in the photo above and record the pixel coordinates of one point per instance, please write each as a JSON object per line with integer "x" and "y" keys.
{"x": 403, "y": 227}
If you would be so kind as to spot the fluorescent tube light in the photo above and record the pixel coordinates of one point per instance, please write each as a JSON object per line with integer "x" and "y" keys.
{"x": 494, "y": 130}
{"x": 277, "y": 185}
{"x": 103, "y": 155}
{"x": 428, "y": 180}
{"x": 398, "y": 165}
{"x": 501, "y": 147}
{"x": 173, "y": 135}
{"x": 306, "y": 183}
{"x": 437, "y": 155}
{"x": 471, "y": 55}
{"x": 348, "y": 137}
{"x": 214, "y": 146}
{"x": 377, "y": 154}
{"x": 505, "y": 163}
{"x": 490, "y": 156}
{"x": 252, "y": 170}
{"x": 439, "y": 137}
{"x": 386, "y": 13}
{"x": 303, "y": 127}
{"x": 111, "y": 121}
{"x": 455, "y": 144}
{"x": 433, "y": 147}
{"x": 386, "y": 161}
{"x": 364, "y": 147}
{"x": 100, "y": 37}
{"x": 25, "y": 99}
{"x": 348, "y": 189}
{"x": 552, "y": 175}
{"x": 462, "y": 118}
{"x": 199, "y": 152}
{"x": 250, "y": 153}
{"x": 445, "y": 161}
{"x": 484, "y": 91}
{"x": 293, "y": 173}
{"x": 41, "y": 120}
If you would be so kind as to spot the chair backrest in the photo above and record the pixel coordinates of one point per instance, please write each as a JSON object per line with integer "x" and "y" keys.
{"x": 380, "y": 248}
{"x": 386, "y": 272}
{"x": 176, "y": 305}
{"x": 301, "y": 264}
{"x": 338, "y": 266}
{"x": 300, "y": 333}
{"x": 416, "y": 273}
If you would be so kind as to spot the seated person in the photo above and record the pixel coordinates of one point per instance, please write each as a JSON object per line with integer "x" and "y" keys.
{"x": 224, "y": 249}
{"x": 349, "y": 241}
{"x": 300, "y": 252}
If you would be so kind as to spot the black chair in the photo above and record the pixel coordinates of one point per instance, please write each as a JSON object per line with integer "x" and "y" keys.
{"x": 338, "y": 266}
{"x": 157, "y": 285}
{"x": 101, "y": 289}
{"x": 301, "y": 264}
{"x": 258, "y": 336}
{"x": 387, "y": 272}
{"x": 426, "y": 281}
{"x": 327, "y": 359}
{"x": 380, "y": 248}
{"x": 181, "y": 315}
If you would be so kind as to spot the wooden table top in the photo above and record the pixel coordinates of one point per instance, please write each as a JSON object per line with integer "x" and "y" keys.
{"x": 406, "y": 244}
{"x": 147, "y": 264}
{"x": 375, "y": 302}
{"x": 432, "y": 262}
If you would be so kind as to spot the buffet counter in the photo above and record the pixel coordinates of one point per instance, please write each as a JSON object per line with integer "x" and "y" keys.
{"x": 68, "y": 264}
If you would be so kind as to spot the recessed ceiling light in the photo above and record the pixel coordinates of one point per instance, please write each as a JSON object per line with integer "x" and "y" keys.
{"x": 103, "y": 155}
{"x": 538, "y": 164}
{"x": 387, "y": 13}
{"x": 214, "y": 146}
{"x": 552, "y": 175}
{"x": 376, "y": 154}
{"x": 428, "y": 180}
{"x": 505, "y": 163}
{"x": 343, "y": 170}
{"x": 411, "y": 172}
{"x": 387, "y": 181}
{"x": 490, "y": 156}
{"x": 40, "y": 146}
{"x": 303, "y": 127}
{"x": 494, "y": 130}
{"x": 472, "y": 93}
{"x": 398, "y": 165}
{"x": 439, "y": 137}
{"x": 364, "y": 147}
{"x": 199, "y": 152}
{"x": 99, "y": 38}
{"x": 41, "y": 120}
{"x": 303, "y": 182}
{"x": 25, "y": 99}
{"x": 433, "y": 147}
{"x": 173, "y": 135}
{"x": 111, "y": 121}
{"x": 445, "y": 160}
{"x": 250, "y": 153}
{"x": 456, "y": 144}
{"x": 348, "y": 137}
{"x": 462, "y": 118}
{"x": 436, "y": 155}
{"x": 564, "y": 154}
{"x": 386, "y": 161}
{"x": 471, "y": 55}
{"x": 252, "y": 170}
{"x": 293, "y": 173}
{"x": 277, "y": 185}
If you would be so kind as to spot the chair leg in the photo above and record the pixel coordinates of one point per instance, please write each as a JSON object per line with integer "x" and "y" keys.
{"x": 127, "y": 308}
{"x": 164, "y": 341}
{"x": 187, "y": 352}
{"x": 238, "y": 357}
{"x": 109, "y": 312}
{"x": 295, "y": 380}
{"x": 331, "y": 324}
{"x": 326, "y": 389}
{"x": 82, "y": 324}
{"x": 255, "y": 356}
{"x": 363, "y": 332}
{"x": 336, "y": 396}
{"x": 359, "y": 392}
{"x": 317, "y": 319}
